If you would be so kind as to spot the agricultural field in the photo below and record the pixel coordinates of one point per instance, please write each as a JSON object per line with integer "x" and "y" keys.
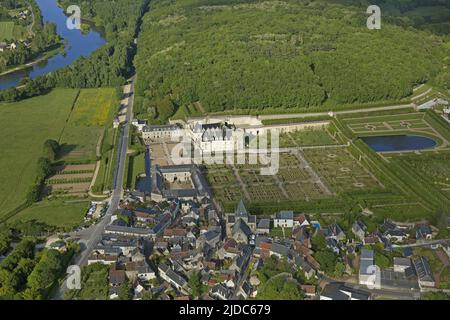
{"x": 56, "y": 213}
{"x": 24, "y": 127}
{"x": 92, "y": 111}
{"x": 6, "y": 30}
{"x": 341, "y": 170}
{"x": 70, "y": 180}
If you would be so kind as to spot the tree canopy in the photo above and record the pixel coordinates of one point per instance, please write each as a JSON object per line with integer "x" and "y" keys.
{"x": 255, "y": 55}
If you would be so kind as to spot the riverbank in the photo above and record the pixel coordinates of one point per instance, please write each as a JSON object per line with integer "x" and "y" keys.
{"x": 73, "y": 45}
{"x": 44, "y": 56}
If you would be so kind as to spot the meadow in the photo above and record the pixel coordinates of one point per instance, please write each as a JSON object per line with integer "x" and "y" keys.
{"x": 56, "y": 213}
{"x": 91, "y": 112}
{"x": 6, "y": 30}
{"x": 136, "y": 167}
{"x": 24, "y": 127}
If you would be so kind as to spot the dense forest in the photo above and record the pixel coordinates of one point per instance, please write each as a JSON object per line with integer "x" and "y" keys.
{"x": 252, "y": 54}
{"x": 111, "y": 64}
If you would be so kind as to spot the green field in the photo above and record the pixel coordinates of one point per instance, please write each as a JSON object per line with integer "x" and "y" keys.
{"x": 135, "y": 167}
{"x": 92, "y": 110}
{"x": 6, "y": 30}
{"x": 55, "y": 213}
{"x": 24, "y": 127}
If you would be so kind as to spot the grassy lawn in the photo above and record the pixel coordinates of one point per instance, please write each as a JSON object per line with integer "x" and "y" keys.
{"x": 102, "y": 178}
{"x": 6, "y": 30}
{"x": 402, "y": 212}
{"x": 278, "y": 232}
{"x": 56, "y": 213}
{"x": 24, "y": 127}
{"x": 138, "y": 168}
{"x": 92, "y": 111}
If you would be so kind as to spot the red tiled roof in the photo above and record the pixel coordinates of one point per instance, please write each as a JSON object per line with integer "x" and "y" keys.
{"x": 175, "y": 232}
{"x": 309, "y": 289}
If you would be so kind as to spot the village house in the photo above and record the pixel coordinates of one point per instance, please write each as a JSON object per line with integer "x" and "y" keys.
{"x": 366, "y": 268}
{"x": 301, "y": 221}
{"x": 396, "y": 235}
{"x": 116, "y": 279}
{"x": 359, "y": 229}
{"x": 228, "y": 250}
{"x": 220, "y": 292}
{"x": 424, "y": 272}
{"x": 210, "y": 237}
{"x": 263, "y": 227}
{"x": 128, "y": 231}
{"x": 423, "y": 232}
{"x": 309, "y": 290}
{"x": 334, "y": 231}
{"x": 174, "y": 279}
{"x": 139, "y": 270}
{"x": 240, "y": 262}
{"x": 302, "y": 264}
{"x": 402, "y": 265}
{"x": 302, "y": 236}
{"x": 284, "y": 219}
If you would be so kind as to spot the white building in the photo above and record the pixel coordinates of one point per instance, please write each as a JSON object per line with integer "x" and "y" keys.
{"x": 171, "y": 132}
{"x": 139, "y": 124}
{"x": 284, "y": 219}
{"x": 368, "y": 274}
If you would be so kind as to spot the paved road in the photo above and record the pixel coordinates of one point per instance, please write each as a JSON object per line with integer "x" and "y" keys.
{"x": 422, "y": 244}
{"x": 92, "y": 236}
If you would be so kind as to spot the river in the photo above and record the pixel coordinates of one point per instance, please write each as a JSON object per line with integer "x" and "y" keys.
{"x": 77, "y": 44}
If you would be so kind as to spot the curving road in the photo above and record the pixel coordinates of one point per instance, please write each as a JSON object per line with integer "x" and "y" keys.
{"x": 92, "y": 236}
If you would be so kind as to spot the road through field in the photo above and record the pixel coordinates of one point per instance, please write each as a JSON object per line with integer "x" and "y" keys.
{"x": 92, "y": 236}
